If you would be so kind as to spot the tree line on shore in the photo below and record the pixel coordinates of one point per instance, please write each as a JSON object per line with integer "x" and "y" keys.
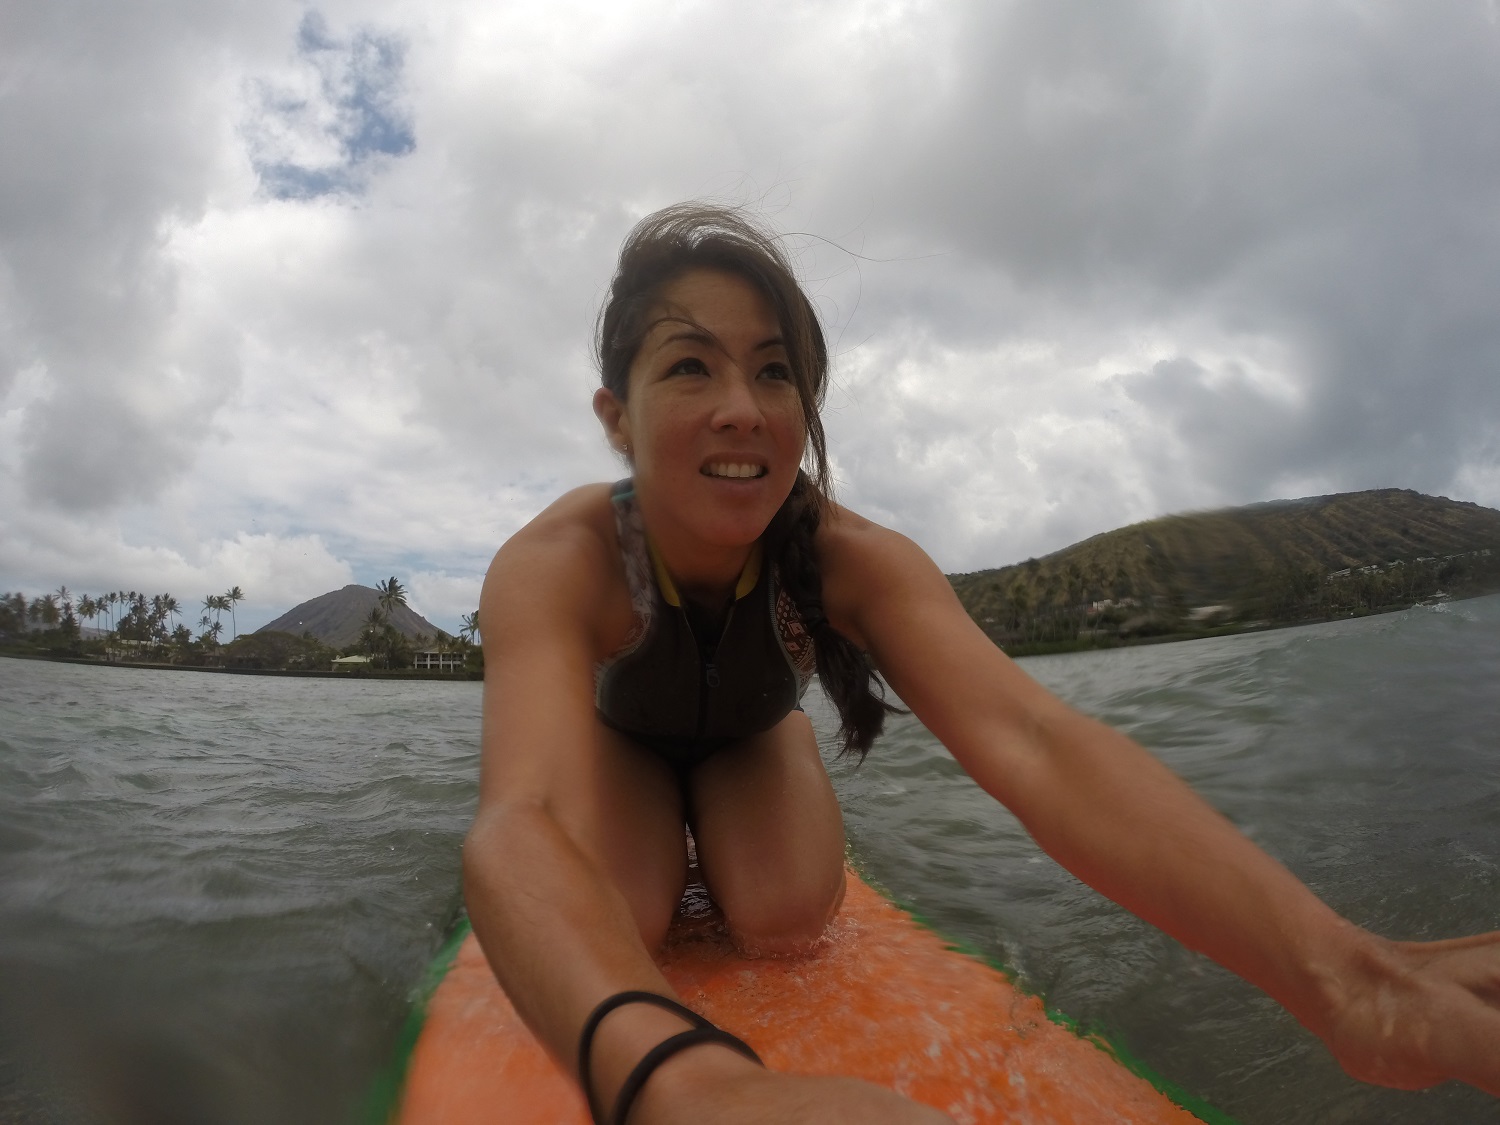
{"x": 1080, "y": 606}
{"x": 1274, "y": 563}
{"x": 147, "y": 629}
{"x": 127, "y": 614}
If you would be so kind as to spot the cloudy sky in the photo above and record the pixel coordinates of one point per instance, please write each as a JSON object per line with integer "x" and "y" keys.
{"x": 297, "y": 295}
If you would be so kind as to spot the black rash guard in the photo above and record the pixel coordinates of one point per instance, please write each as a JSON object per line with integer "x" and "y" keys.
{"x": 687, "y": 685}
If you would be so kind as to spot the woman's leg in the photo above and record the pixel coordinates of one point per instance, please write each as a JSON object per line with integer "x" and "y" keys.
{"x": 770, "y": 838}
{"x": 625, "y": 812}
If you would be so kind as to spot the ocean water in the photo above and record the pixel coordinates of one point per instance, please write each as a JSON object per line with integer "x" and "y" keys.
{"x": 217, "y": 892}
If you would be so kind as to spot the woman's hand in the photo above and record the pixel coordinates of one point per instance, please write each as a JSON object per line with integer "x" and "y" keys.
{"x": 713, "y": 1086}
{"x": 1413, "y": 1014}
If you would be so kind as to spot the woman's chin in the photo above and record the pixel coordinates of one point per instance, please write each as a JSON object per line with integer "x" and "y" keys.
{"x": 732, "y": 534}
{"x": 723, "y": 515}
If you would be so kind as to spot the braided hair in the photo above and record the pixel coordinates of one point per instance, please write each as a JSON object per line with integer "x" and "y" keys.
{"x": 658, "y": 250}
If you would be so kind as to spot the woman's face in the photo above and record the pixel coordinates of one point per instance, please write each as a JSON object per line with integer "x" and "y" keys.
{"x": 712, "y": 425}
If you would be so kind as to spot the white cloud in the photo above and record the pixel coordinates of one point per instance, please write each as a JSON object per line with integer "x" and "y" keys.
{"x": 442, "y": 597}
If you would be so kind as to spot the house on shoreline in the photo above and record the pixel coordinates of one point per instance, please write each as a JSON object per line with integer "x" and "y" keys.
{"x": 437, "y": 660}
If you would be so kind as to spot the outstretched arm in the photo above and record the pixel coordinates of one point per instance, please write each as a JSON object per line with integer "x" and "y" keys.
{"x": 558, "y": 931}
{"x": 1401, "y": 1014}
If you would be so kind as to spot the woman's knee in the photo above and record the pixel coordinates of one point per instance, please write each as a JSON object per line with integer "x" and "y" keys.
{"x": 779, "y": 920}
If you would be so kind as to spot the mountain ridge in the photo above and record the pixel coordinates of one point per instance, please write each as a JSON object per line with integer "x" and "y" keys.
{"x": 1274, "y": 561}
{"x": 339, "y": 617}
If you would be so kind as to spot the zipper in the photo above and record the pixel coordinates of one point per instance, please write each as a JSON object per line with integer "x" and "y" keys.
{"x": 710, "y": 677}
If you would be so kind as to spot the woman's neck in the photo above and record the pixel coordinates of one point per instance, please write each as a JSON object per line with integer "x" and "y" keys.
{"x": 706, "y": 572}
{"x": 706, "y": 575}
{"x": 703, "y": 572}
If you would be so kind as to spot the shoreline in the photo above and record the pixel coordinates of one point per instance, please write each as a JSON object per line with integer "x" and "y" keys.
{"x": 302, "y": 673}
{"x": 1015, "y": 652}
{"x": 1104, "y": 644}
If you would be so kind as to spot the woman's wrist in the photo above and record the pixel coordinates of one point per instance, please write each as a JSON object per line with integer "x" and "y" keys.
{"x": 1339, "y": 972}
{"x": 694, "y": 1077}
{"x": 626, "y": 1035}
{"x": 620, "y": 1042}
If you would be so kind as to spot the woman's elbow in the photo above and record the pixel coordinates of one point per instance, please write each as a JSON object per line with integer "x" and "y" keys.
{"x": 499, "y": 832}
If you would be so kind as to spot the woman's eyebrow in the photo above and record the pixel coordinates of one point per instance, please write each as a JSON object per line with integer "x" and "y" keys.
{"x": 690, "y": 330}
{"x": 695, "y": 333}
{"x": 695, "y": 336}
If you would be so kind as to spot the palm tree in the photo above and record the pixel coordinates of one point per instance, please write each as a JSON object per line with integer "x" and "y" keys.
{"x": 374, "y": 626}
{"x": 215, "y": 604}
{"x": 159, "y": 631}
{"x": 471, "y": 626}
{"x": 232, "y": 597}
{"x": 13, "y": 613}
{"x": 44, "y": 610}
{"x": 172, "y": 608}
{"x": 391, "y": 594}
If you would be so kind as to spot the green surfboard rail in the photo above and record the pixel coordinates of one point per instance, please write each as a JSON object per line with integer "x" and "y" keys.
{"x": 384, "y": 1098}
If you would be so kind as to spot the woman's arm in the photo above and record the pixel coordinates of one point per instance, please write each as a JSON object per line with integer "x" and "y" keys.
{"x": 1401, "y": 1014}
{"x": 555, "y": 927}
{"x": 557, "y": 930}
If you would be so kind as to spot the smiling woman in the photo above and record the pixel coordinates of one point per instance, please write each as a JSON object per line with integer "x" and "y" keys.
{"x": 646, "y": 646}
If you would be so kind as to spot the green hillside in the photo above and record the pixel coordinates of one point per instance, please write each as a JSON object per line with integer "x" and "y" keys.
{"x": 1273, "y": 563}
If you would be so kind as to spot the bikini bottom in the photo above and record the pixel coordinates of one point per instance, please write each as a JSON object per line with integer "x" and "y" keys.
{"x": 684, "y": 754}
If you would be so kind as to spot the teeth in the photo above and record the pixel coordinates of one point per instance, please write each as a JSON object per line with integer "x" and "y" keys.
{"x": 736, "y": 471}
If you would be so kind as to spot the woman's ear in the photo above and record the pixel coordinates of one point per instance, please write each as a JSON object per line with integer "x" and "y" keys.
{"x": 611, "y": 414}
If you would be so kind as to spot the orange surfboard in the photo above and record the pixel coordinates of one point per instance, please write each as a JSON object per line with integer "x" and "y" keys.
{"x": 881, "y": 998}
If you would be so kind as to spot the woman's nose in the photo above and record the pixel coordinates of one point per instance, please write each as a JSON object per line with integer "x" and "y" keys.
{"x": 737, "y": 407}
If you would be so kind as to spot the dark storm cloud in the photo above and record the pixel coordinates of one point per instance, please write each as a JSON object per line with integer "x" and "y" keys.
{"x": 1248, "y": 430}
{"x": 1323, "y": 175}
{"x": 99, "y": 130}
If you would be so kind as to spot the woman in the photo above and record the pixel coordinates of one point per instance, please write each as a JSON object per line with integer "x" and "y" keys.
{"x": 645, "y": 648}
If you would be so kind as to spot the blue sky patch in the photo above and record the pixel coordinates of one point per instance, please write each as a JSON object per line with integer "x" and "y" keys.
{"x": 335, "y": 116}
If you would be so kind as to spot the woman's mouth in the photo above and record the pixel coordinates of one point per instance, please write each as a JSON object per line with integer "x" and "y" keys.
{"x": 733, "y": 470}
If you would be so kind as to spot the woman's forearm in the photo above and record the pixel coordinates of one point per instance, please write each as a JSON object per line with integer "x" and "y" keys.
{"x": 1122, "y": 822}
{"x": 560, "y": 937}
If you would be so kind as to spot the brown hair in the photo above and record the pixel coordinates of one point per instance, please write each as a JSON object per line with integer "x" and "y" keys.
{"x": 658, "y": 250}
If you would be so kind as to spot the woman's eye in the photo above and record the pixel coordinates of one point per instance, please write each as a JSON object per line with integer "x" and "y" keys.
{"x": 688, "y": 367}
{"x": 776, "y": 371}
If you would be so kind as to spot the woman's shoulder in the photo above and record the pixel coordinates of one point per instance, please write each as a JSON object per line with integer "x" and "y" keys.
{"x": 581, "y": 517}
{"x": 847, "y": 539}
{"x": 569, "y": 551}
{"x": 866, "y": 565}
